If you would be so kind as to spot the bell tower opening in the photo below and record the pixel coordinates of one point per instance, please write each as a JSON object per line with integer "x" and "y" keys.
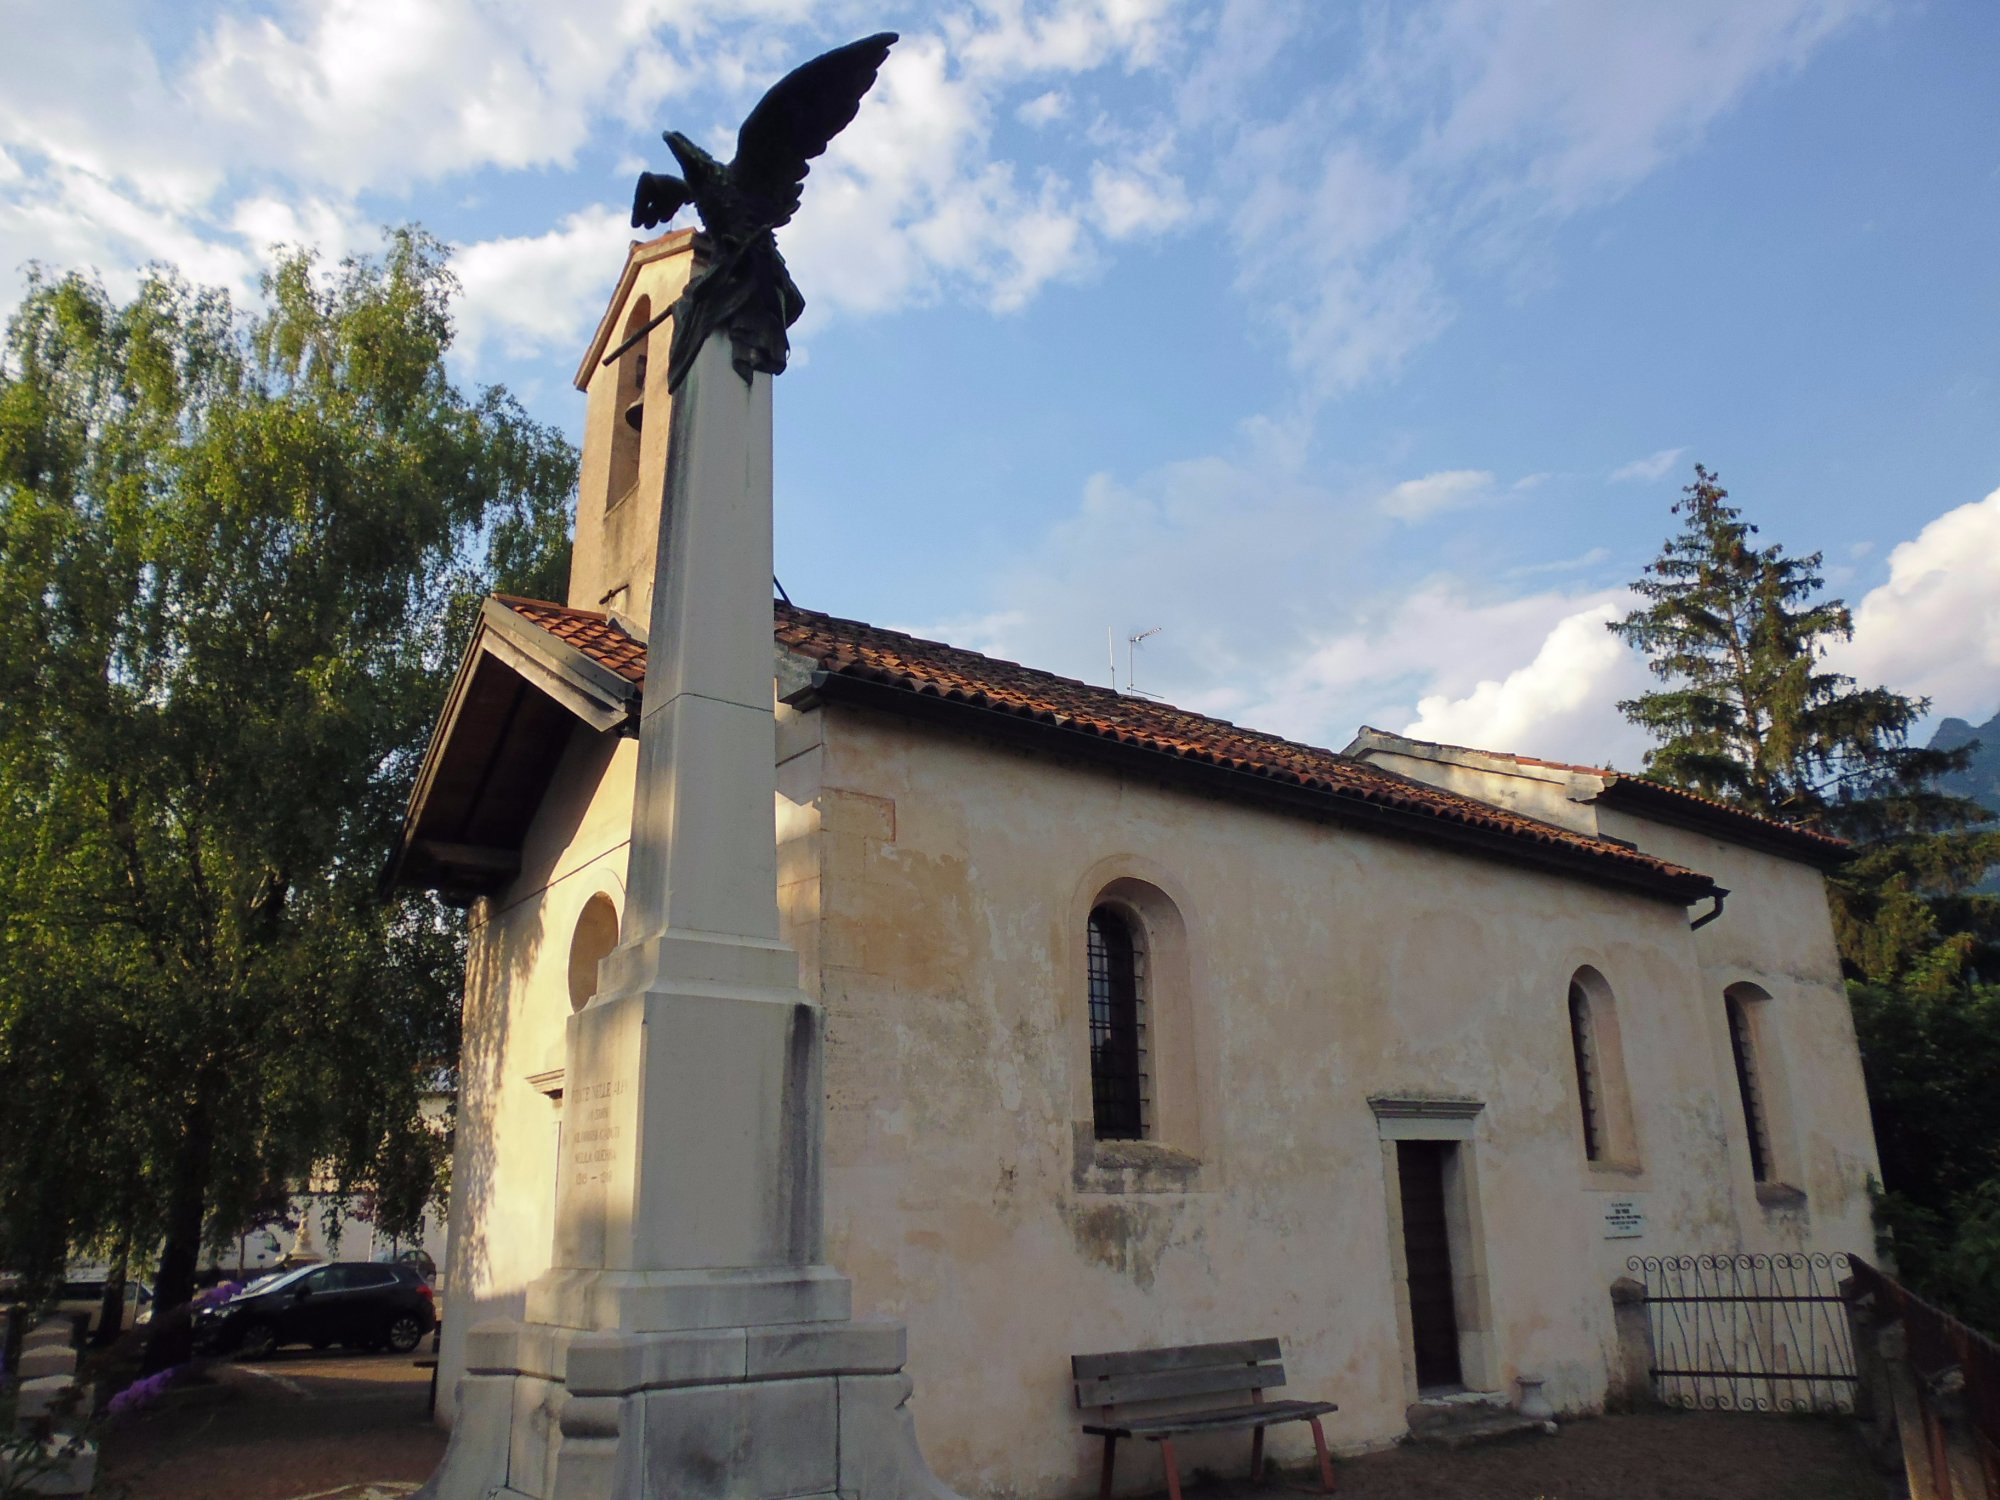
{"x": 624, "y": 471}
{"x": 630, "y": 404}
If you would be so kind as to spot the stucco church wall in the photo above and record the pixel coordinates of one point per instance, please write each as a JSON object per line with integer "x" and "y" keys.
{"x": 1776, "y": 933}
{"x": 936, "y": 890}
{"x": 516, "y": 1003}
{"x": 1322, "y": 966}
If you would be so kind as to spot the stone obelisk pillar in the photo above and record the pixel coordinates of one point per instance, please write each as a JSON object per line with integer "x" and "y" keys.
{"x": 689, "y": 1194}
{"x": 688, "y": 1341}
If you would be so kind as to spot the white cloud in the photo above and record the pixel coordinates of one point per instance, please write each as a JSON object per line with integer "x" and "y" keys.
{"x": 1267, "y": 582}
{"x": 1465, "y": 130}
{"x": 1139, "y": 198}
{"x": 1577, "y": 564}
{"x": 1018, "y": 38}
{"x": 1451, "y": 489}
{"x": 115, "y": 150}
{"x": 911, "y": 204}
{"x": 1044, "y": 109}
{"x": 1650, "y": 469}
{"x": 1933, "y": 628}
{"x": 1561, "y": 705}
{"x": 532, "y": 294}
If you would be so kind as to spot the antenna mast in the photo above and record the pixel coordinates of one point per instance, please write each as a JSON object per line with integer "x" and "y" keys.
{"x": 1131, "y": 661}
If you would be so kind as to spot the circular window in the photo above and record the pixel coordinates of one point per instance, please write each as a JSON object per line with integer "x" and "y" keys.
{"x": 596, "y": 935}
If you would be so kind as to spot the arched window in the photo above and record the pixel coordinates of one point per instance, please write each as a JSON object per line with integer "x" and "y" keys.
{"x": 631, "y": 409}
{"x": 596, "y": 935}
{"x": 1750, "y": 1086}
{"x": 1603, "y": 1097}
{"x": 1589, "y": 1090}
{"x": 1118, "y": 1092}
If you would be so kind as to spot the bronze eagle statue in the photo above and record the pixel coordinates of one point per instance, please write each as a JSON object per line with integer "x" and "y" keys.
{"x": 746, "y": 290}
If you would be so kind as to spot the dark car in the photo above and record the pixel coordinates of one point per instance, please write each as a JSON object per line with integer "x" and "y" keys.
{"x": 355, "y": 1303}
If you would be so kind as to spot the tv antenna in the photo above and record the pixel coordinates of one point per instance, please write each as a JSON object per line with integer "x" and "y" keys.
{"x": 1132, "y": 643}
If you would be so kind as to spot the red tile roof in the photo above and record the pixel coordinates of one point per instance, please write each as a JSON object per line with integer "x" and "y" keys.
{"x": 848, "y": 651}
{"x": 590, "y": 632}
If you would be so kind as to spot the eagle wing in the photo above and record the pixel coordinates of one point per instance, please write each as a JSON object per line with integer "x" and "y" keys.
{"x": 657, "y": 199}
{"x": 793, "y": 123}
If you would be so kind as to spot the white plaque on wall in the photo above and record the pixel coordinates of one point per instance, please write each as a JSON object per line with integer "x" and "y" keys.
{"x": 1623, "y": 1219}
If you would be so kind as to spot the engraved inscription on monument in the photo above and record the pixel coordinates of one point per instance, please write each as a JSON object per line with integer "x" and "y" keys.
{"x": 595, "y": 1146}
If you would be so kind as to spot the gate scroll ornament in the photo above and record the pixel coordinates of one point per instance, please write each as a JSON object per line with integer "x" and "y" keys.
{"x": 1749, "y": 1332}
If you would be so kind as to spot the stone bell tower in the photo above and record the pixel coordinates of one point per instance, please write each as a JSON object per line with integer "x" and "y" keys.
{"x": 625, "y": 433}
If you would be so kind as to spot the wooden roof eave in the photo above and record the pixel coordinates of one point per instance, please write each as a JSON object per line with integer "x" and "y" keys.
{"x": 587, "y": 688}
{"x": 595, "y": 694}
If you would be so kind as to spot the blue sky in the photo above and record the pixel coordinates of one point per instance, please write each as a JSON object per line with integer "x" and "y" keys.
{"x": 1359, "y": 348}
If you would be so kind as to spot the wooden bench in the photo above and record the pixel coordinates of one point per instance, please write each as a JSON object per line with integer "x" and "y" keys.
{"x": 1110, "y": 1381}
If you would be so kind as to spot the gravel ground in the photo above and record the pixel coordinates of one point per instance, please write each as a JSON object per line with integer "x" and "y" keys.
{"x": 1669, "y": 1456}
{"x": 350, "y": 1426}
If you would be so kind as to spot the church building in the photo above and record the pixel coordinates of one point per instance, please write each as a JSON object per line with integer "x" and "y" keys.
{"x": 1146, "y": 1029}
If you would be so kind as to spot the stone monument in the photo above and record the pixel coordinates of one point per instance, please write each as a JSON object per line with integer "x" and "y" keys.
{"x": 690, "y": 1340}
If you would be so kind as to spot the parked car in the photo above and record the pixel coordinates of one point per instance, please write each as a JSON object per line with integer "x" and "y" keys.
{"x": 419, "y": 1257}
{"x": 356, "y": 1303}
{"x": 81, "y": 1299}
{"x": 85, "y": 1298}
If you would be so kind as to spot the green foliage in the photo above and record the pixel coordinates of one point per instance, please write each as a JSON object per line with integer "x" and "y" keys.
{"x": 236, "y": 551}
{"x": 1931, "y": 1062}
{"x": 1749, "y": 714}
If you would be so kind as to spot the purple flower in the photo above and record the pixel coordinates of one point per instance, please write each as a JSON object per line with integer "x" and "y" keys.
{"x": 142, "y": 1392}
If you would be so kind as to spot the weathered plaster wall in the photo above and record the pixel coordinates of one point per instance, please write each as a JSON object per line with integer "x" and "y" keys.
{"x": 516, "y": 1002}
{"x": 936, "y": 890}
{"x": 1776, "y": 933}
{"x": 1322, "y": 966}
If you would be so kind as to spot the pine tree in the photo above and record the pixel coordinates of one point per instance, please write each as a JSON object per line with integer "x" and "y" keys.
{"x": 1751, "y": 714}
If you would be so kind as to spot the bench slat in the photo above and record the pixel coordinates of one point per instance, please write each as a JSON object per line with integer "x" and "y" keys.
{"x": 1185, "y": 1357}
{"x": 1167, "y": 1385}
{"x": 1263, "y": 1414}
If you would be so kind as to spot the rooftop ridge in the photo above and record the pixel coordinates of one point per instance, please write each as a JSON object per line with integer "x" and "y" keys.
{"x": 1627, "y": 780}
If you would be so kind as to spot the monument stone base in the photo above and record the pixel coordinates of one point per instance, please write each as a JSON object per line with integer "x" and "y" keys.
{"x": 780, "y": 1411}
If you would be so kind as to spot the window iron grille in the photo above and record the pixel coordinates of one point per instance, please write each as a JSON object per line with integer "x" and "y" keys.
{"x": 1583, "y": 1042}
{"x": 1118, "y": 1082}
{"x": 1742, "y": 1044}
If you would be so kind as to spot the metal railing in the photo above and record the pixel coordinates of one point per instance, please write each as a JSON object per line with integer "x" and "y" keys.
{"x": 1749, "y": 1332}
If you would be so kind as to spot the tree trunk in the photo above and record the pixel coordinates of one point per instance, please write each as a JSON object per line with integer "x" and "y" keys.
{"x": 111, "y": 1310}
{"x": 187, "y": 1200}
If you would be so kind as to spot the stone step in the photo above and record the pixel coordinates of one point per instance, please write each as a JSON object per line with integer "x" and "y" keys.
{"x": 1478, "y": 1426}
{"x": 1459, "y": 1406}
{"x": 1467, "y": 1417}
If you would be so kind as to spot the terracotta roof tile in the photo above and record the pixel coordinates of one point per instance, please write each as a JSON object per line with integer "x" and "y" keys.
{"x": 589, "y": 631}
{"x": 929, "y": 669}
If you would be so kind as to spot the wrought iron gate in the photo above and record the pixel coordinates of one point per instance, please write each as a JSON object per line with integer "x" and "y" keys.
{"x": 1749, "y": 1332}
